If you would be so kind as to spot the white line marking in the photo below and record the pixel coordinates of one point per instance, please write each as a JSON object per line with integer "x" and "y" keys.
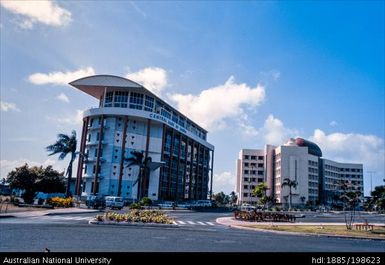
{"x": 181, "y": 222}
{"x": 210, "y": 223}
{"x": 191, "y": 222}
{"x": 201, "y": 223}
{"x": 175, "y": 223}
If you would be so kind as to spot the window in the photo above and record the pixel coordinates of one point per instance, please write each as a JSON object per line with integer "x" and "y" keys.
{"x": 260, "y": 157}
{"x": 136, "y": 101}
{"x": 253, "y": 157}
{"x": 120, "y": 99}
{"x": 108, "y": 100}
{"x": 148, "y": 103}
{"x": 245, "y": 194}
{"x": 175, "y": 117}
{"x": 245, "y": 187}
{"x": 246, "y": 164}
{"x": 260, "y": 165}
{"x": 182, "y": 121}
{"x": 245, "y": 179}
{"x": 166, "y": 114}
{"x": 260, "y": 172}
{"x": 245, "y": 172}
{"x": 247, "y": 157}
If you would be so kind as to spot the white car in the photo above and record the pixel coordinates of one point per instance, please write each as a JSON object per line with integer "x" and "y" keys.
{"x": 166, "y": 204}
{"x": 114, "y": 202}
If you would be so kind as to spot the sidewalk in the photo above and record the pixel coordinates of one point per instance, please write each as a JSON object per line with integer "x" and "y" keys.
{"x": 48, "y": 212}
{"x": 231, "y": 222}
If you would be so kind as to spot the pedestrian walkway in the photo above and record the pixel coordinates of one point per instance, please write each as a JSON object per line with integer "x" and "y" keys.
{"x": 201, "y": 223}
{"x": 63, "y": 211}
{"x": 61, "y": 218}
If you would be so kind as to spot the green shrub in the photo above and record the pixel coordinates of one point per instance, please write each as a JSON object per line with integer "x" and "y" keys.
{"x": 135, "y": 206}
{"x": 145, "y": 201}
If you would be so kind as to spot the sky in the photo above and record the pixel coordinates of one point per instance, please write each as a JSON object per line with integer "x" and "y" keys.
{"x": 250, "y": 72}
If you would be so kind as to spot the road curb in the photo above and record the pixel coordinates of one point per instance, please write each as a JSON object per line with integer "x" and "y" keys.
{"x": 7, "y": 216}
{"x": 79, "y": 212}
{"x": 93, "y": 222}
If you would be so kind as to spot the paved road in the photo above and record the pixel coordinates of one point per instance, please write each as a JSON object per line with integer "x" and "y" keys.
{"x": 72, "y": 233}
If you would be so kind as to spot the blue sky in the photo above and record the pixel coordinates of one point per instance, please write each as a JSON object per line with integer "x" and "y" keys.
{"x": 320, "y": 66}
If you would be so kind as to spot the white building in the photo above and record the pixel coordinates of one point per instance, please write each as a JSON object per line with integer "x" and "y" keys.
{"x": 298, "y": 160}
{"x": 131, "y": 118}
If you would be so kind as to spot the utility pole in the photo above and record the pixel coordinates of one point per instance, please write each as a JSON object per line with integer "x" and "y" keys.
{"x": 371, "y": 179}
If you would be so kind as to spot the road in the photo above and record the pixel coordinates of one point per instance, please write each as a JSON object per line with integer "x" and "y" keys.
{"x": 197, "y": 232}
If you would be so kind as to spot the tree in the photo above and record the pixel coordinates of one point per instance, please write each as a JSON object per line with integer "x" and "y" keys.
{"x": 220, "y": 198}
{"x": 140, "y": 160}
{"x": 291, "y": 184}
{"x": 378, "y": 198}
{"x": 63, "y": 146}
{"x": 351, "y": 199}
{"x": 35, "y": 179}
{"x": 260, "y": 192}
{"x": 233, "y": 197}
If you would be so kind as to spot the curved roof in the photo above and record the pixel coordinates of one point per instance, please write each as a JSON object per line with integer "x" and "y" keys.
{"x": 95, "y": 85}
{"x": 313, "y": 148}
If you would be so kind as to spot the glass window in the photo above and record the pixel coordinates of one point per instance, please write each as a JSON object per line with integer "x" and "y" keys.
{"x": 108, "y": 101}
{"x": 165, "y": 113}
{"x": 136, "y": 101}
{"x": 120, "y": 99}
{"x": 148, "y": 103}
{"x": 175, "y": 117}
{"x": 182, "y": 121}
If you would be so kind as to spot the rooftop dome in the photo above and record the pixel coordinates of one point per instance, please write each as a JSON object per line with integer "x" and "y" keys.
{"x": 313, "y": 148}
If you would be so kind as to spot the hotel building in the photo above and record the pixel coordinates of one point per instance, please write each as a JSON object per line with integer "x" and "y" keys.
{"x": 131, "y": 118}
{"x": 300, "y": 160}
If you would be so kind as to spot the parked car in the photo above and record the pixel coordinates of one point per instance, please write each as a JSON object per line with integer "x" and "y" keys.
{"x": 203, "y": 203}
{"x": 114, "y": 202}
{"x": 167, "y": 204}
{"x": 95, "y": 202}
{"x": 184, "y": 205}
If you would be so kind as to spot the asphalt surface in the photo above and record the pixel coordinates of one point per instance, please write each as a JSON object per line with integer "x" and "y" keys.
{"x": 196, "y": 232}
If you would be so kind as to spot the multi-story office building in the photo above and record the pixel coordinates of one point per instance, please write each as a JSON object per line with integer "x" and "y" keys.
{"x": 319, "y": 180}
{"x": 131, "y": 118}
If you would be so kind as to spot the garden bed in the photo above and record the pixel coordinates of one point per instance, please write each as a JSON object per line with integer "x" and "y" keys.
{"x": 134, "y": 217}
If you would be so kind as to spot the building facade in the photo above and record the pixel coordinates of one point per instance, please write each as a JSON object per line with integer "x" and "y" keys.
{"x": 319, "y": 180}
{"x": 130, "y": 119}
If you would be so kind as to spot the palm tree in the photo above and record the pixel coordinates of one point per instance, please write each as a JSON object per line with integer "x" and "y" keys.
{"x": 65, "y": 145}
{"x": 291, "y": 184}
{"x": 140, "y": 160}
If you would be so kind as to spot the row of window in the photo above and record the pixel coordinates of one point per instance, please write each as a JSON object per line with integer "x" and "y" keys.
{"x": 253, "y": 172}
{"x": 252, "y": 179}
{"x": 313, "y": 170}
{"x": 338, "y": 169}
{"x": 253, "y": 164}
{"x": 313, "y": 177}
{"x": 313, "y": 163}
{"x": 250, "y": 157}
{"x": 133, "y": 100}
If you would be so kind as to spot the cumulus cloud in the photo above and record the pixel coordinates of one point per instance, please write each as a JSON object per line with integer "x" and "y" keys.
{"x": 352, "y": 148}
{"x": 213, "y": 106}
{"x": 152, "y": 78}
{"x": 224, "y": 181}
{"x": 9, "y": 165}
{"x": 63, "y": 97}
{"x": 75, "y": 119}
{"x": 274, "y": 132}
{"x": 7, "y": 106}
{"x": 31, "y": 12}
{"x": 60, "y": 78}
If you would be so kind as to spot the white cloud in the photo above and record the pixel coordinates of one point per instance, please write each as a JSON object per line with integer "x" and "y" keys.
{"x": 63, "y": 97}
{"x": 30, "y": 12}
{"x": 7, "y": 106}
{"x": 274, "y": 132}
{"x": 224, "y": 181}
{"x": 60, "y": 78}
{"x": 75, "y": 119}
{"x": 152, "y": 78}
{"x": 9, "y": 165}
{"x": 352, "y": 148}
{"x": 333, "y": 123}
{"x": 213, "y": 106}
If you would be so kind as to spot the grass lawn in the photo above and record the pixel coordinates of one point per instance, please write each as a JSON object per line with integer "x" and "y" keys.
{"x": 378, "y": 232}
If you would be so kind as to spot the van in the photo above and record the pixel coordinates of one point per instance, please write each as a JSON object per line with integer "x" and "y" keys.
{"x": 114, "y": 202}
